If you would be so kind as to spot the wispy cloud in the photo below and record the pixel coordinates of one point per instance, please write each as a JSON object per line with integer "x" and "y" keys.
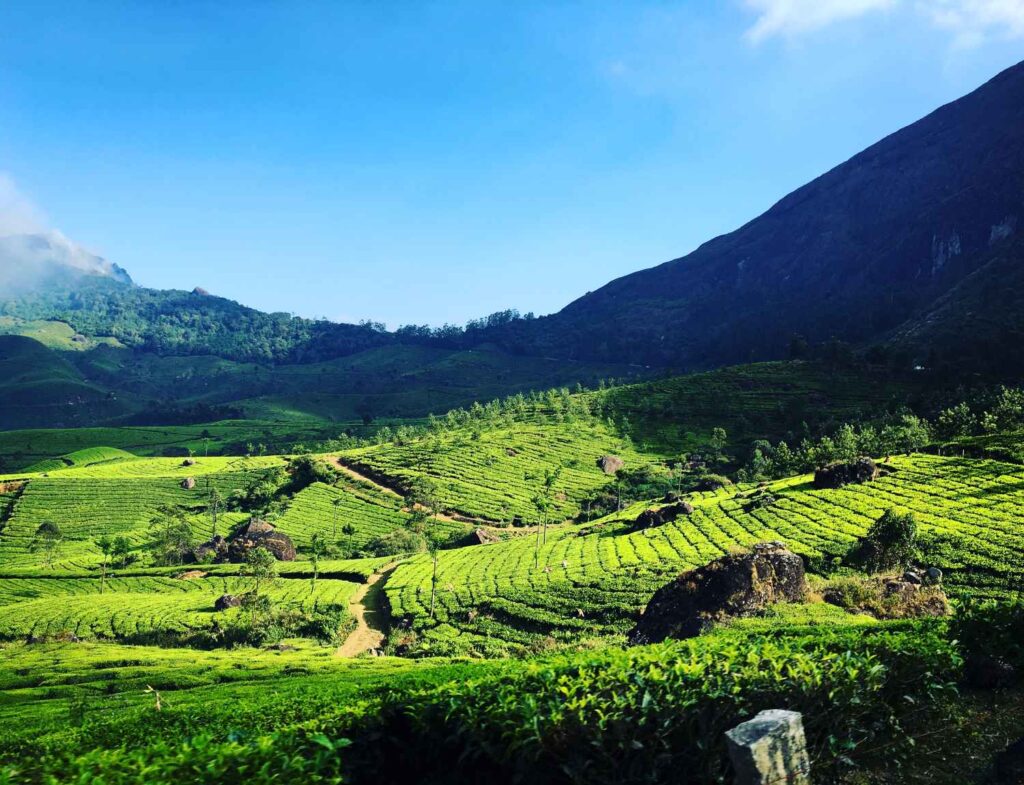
{"x": 971, "y": 22}
{"x": 796, "y": 17}
{"x": 18, "y": 214}
{"x": 31, "y": 251}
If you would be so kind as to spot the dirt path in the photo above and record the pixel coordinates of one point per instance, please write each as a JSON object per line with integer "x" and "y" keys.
{"x": 344, "y": 468}
{"x": 441, "y": 516}
{"x": 369, "y": 610}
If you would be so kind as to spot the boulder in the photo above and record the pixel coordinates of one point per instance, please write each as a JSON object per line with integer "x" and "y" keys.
{"x": 657, "y": 517}
{"x": 770, "y": 749}
{"x": 484, "y": 537}
{"x": 226, "y": 601}
{"x": 841, "y": 473}
{"x": 734, "y": 585}
{"x": 610, "y": 464}
{"x": 188, "y": 483}
{"x": 260, "y": 534}
{"x": 188, "y": 462}
{"x": 213, "y": 550}
{"x": 985, "y": 672}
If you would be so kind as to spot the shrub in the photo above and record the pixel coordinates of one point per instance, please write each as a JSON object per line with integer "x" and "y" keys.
{"x": 992, "y": 628}
{"x": 397, "y": 542}
{"x": 873, "y": 597}
{"x": 840, "y": 473}
{"x": 712, "y": 482}
{"x": 890, "y": 544}
{"x": 653, "y": 714}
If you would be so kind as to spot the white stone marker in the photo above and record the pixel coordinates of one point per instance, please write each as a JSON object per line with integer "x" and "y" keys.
{"x": 770, "y": 750}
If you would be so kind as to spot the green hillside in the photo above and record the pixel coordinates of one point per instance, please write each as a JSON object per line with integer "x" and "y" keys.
{"x": 547, "y": 601}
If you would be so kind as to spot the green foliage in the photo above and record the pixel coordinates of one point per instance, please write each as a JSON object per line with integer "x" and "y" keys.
{"x": 890, "y": 543}
{"x": 994, "y": 628}
{"x": 47, "y": 539}
{"x": 171, "y": 538}
{"x": 396, "y": 543}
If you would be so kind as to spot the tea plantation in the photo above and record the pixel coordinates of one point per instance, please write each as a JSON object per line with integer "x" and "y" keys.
{"x": 117, "y": 665}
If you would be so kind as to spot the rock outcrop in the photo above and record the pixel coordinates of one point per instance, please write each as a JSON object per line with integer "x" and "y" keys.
{"x": 484, "y": 537}
{"x": 841, "y": 473}
{"x": 213, "y": 550}
{"x": 188, "y": 483}
{"x": 734, "y": 585}
{"x": 610, "y": 464}
{"x": 657, "y": 517}
{"x": 226, "y": 601}
{"x": 260, "y": 534}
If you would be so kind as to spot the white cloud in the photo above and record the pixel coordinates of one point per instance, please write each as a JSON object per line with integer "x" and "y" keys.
{"x": 18, "y": 215}
{"x": 971, "y": 22}
{"x": 796, "y": 17}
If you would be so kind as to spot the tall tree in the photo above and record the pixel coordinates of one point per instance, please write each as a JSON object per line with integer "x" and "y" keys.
{"x": 47, "y": 539}
{"x": 106, "y": 546}
{"x": 214, "y": 504}
{"x": 317, "y": 550}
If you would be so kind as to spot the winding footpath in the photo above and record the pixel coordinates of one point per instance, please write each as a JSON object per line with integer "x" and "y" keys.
{"x": 369, "y": 609}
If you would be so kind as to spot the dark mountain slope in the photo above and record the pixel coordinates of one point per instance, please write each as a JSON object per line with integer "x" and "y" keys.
{"x": 854, "y": 254}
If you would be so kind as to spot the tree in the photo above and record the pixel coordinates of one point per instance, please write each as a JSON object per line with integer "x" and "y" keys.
{"x": 543, "y": 505}
{"x": 317, "y": 550}
{"x": 214, "y": 504}
{"x": 170, "y": 535}
{"x": 121, "y": 550}
{"x": 550, "y": 478}
{"x": 336, "y": 503}
{"x": 349, "y": 531}
{"x": 261, "y": 566}
{"x": 908, "y": 434}
{"x": 47, "y": 539}
{"x": 423, "y": 493}
{"x": 956, "y": 421}
{"x": 106, "y": 546}
{"x": 433, "y": 547}
{"x": 890, "y": 544}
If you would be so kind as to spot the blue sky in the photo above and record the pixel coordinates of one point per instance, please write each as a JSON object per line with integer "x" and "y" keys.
{"x": 432, "y": 162}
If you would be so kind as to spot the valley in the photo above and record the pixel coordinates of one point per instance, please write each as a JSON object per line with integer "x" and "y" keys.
{"x": 782, "y": 473}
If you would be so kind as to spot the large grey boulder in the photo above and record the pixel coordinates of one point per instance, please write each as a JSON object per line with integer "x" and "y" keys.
{"x": 610, "y": 464}
{"x": 260, "y": 534}
{"x": 770, "y": 749}
{"x": 735, "y": 585}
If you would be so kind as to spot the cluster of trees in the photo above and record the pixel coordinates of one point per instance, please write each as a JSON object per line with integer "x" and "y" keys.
{"x": 188, "y": 323}
{"x": 902, "y": 433}
{"x": 999, "y": 412}
{"x": 451, "y": 332}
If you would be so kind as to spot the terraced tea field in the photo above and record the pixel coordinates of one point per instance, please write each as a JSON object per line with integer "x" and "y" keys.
{"x": 113, "y": 498}
{"x": 494, "y": 473}
{"x": 327, "y": 510}
{"x": 51, "y": 607}
{"x": 21, "y": 449}
{"x": 591, "y": 580}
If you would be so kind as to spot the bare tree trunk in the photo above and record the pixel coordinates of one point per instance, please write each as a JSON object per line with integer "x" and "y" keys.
{"x": 433, "y": 586}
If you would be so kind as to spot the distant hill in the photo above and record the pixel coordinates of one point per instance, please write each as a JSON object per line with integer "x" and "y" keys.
{"x": 913, "y": 248}
{"x": 897, "y": 246}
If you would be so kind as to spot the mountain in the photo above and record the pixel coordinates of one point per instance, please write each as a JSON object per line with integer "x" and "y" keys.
{"x": 894, "y": 246}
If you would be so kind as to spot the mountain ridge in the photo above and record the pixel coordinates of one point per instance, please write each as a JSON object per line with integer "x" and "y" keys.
{"x": 910, "y": 217}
